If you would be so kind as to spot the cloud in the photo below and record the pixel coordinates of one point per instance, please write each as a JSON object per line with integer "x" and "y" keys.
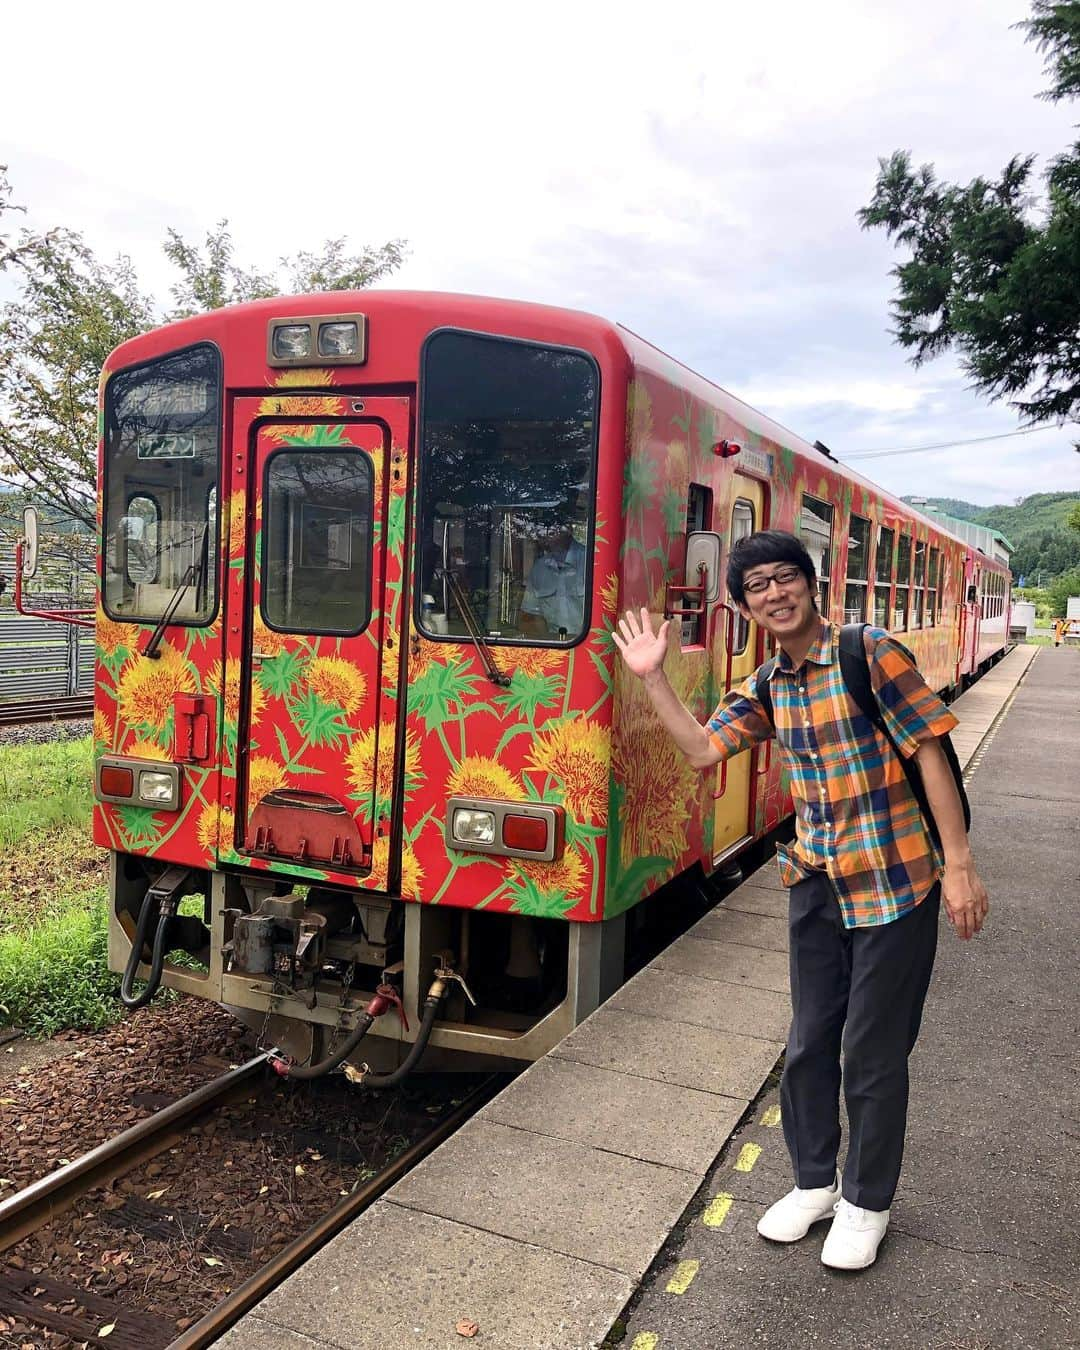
{"x": 691, "y": 172}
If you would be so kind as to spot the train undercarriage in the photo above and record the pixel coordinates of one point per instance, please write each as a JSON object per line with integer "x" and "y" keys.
{"x": 304, "y": 967}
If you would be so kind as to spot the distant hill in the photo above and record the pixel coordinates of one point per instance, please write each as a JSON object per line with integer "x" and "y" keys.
{"x": 1040, "y": 511}
{"x": 1035, "y": 526}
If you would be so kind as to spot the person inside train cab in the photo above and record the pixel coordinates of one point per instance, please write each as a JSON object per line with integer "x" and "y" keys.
{"x": 865, "y": 879}
{"x": 553, "y": 605}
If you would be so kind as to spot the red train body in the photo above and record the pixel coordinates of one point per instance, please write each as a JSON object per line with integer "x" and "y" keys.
{"x": 374, "y": 674}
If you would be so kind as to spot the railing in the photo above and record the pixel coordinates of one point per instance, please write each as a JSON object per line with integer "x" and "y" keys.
{"x": 39, "y": 657}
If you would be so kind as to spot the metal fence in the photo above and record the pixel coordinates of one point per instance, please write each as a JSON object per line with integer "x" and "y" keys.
{"x": 39, "y": 657}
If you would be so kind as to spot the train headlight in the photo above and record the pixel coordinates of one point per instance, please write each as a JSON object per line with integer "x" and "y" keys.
{"x": 156, "y": 788}
{"x": 292, "y": 341}
{"x": 339, "y": 339}
{"x": 317, "y": 340}
{"x": 474, "y": 827}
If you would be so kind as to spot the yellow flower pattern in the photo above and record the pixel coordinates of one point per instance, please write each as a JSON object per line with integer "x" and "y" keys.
{"x": 336, "y": 681}
{"x": 146, "y": 688}
{"x": 577, "y": 754}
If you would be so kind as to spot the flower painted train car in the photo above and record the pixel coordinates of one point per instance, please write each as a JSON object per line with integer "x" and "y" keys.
{"x": 364, "y": 749}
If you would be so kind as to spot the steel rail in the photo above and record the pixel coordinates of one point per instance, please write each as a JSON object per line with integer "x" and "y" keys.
{"x": 244, "y": 1297}
{"x": 15, "y": 711}
{"x": 27, "y": 1210}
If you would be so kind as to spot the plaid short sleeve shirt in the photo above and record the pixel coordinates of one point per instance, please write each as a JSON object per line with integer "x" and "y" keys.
{"x": 856, "y": 817}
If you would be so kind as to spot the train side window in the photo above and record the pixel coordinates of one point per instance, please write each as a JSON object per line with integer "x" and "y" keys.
{"x": 919, "y": 586}
{"x": 815, "y": 530}
{"x": 698, "y": 517}
{"x": 933, "y": 567}
{"x": 883, "y": 569}
{"x": 742, "y": 524}
{"x": 141, "y": 527}
{"x": 901, "y": 604}
{"x": 858, "y": 570}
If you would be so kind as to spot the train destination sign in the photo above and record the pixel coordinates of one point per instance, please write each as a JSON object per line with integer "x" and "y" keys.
{"x": 169, "y": 445}
{"x": 756, "y": 461}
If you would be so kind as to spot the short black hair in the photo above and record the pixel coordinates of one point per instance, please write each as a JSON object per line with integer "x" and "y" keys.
{"x": 767, "y": 546}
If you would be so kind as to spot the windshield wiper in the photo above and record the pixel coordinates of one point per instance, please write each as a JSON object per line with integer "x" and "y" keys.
{"x": 479, "y": 641}
{"x": 192, "y": 576}
{"x": 154, "y": 641}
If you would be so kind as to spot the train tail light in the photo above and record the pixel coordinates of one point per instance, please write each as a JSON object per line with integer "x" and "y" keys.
{"x": 114, "y": 780}
{"x": 527, "y": 833}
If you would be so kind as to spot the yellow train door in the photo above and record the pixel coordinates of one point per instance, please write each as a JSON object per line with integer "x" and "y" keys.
{"x": 731, "y": 824}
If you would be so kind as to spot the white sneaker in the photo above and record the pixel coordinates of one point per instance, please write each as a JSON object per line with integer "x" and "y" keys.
{"x": 791, "y": 1218}
{"x": 854, "y": 1237}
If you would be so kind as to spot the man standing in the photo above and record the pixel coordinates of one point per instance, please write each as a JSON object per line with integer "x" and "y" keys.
{"x": 866, "y": 880}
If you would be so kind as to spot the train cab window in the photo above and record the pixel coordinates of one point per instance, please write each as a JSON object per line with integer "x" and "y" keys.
{"x": 858, "y": 570}
{"x": 742, "y": 524}
{"x": 883, "y": 571}
{"x": 317, "y": 534}
{"x": 918, "y": 589}
{"x": 932, "y": 571}
{"x": 815, "y": 530}
{"x": 507, "y": 490}
{"x": 162, "y": 442}
{"x": 902, "y": 600}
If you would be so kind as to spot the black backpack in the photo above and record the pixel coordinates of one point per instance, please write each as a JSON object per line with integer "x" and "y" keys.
{"x": 855, "y": 672}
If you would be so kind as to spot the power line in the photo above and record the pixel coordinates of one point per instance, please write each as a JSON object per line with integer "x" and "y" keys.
{"x": 948, "y": 445}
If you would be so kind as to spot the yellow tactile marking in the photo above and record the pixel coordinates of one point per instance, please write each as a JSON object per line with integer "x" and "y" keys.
{"x": 717, "y": 1212}
{"x": 771, "y": 1116}
{"x": 748, "y": 1156}
{"x": 681, "y": 1280}
{"x": 645, "y": 1340}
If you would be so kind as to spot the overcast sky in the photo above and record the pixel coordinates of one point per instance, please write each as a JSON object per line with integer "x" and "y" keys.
{"x": 692, "y": 176}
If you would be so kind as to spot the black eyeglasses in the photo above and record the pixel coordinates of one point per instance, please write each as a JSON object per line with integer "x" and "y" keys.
{"x": 783, "y": 576}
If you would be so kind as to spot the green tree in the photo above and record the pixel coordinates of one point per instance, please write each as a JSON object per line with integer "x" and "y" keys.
{"x": 994, "y": 273}
{"x": 1060, "y": 589}
{"x": 1072, "y": 520}
{"x": 210, "y": 277}
{"x": 71, "y": 310}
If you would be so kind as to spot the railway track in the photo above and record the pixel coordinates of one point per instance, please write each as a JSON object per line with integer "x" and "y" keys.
{"x": 15, "y": 712}
{"x": 87, "y": 1318}
{"x": 29, "y": 1209}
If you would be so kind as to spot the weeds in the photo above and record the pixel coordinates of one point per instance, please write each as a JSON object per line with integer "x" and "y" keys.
{"x": 56, "y": 976}
{"x": 53, "y": 911}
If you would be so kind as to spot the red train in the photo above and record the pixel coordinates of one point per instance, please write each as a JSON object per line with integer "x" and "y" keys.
{"x": 364, "y": 749}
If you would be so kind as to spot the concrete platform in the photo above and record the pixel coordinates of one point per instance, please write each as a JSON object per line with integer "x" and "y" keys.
{"x": 540, "y": 1218}
{"x": 983, "y": 1247}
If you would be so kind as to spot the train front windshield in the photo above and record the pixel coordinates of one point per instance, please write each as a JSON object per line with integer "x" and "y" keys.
{"x": 508, "y": 487}
{"x": 162, "y": 433}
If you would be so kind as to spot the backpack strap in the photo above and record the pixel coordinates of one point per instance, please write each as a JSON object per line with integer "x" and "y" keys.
{"x": 855, "y": 672}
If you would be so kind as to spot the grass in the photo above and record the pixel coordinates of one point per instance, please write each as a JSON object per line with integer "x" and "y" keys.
{"x": 56, "y": 976}
{"x": 53, "y": 895}
{"x": 45, "y": 787}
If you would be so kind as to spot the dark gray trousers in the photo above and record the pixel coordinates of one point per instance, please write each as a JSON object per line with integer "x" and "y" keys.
{"x": 864, "y": 989}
